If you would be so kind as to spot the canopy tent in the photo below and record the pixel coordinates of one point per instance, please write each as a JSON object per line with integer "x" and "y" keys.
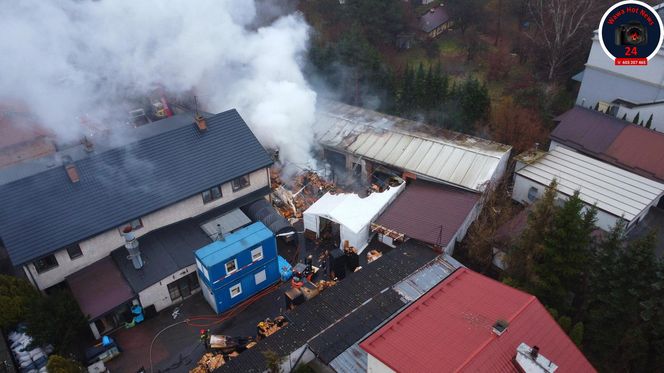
{"x": 353, "y": 213}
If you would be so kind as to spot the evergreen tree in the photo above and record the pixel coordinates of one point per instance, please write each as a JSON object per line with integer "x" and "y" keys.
{"x": 430, "y": 90}
{"x": 474, "y": 102}
{"x": 636, "y": 119}
{"x": 624, "y": 117}
{"x": 522, "y": 257}
{"x": 420, "y": 88}
{"x": 625, "y": 327}
{"x": 649, "y": 122}
{"x": 407, "y": 94}
{"x": 562, "y": 268}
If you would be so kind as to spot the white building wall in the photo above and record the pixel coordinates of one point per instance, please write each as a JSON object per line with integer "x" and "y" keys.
{"x": 522, "y": 185}
{"x": 603, "y": 81}
{"x": 100, "y": 246}
{"x": 555, "y": 144}
{"x": 644, "y": 112}
{"x": 158, "y": 294}
{"x": 376, "y": 366}
{"x": 461, "y": 233}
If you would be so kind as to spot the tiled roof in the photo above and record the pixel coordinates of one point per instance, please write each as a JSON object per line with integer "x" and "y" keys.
{"x": 640, "y": 150}
{"x": 45, "y": 211}
{"x": 423, "y": 208}
{"x": 450, "y": 329}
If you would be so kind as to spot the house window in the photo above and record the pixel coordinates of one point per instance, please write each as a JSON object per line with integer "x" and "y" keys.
{"x": 257, "y": 254}
{"x": 74, "y": 251}
{"x": 174, "y": 291}
{"x": 135, "y": 225}
{"x": 45, "y": 263}
{"x": 260, "y": 277}
{"x": 231, "y": 267}
{"x": 212, "y": 194}
{"x": 532, "y": 194}
{"x": 235, "y": 290}
{"x": 240, "y": 183}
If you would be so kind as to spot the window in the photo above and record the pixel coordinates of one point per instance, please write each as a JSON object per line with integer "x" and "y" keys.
{"x": 135, "y": 225}
{"x": 240, "y": 183}
{"x": 212, "y": 194}
{"x": 257, "y": 254}
{"x": 174, "y": 291}
{"x": 532, "y": 194}
{"x": 231, "y": 266}
{"x": 260, "y": 277}
{"x": 45, "y": 263}
{"x": 74, "y": 251}
{"x": 235, "y": 290}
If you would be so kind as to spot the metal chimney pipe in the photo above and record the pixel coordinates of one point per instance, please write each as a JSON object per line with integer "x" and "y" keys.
{"x": 131, "y": 243}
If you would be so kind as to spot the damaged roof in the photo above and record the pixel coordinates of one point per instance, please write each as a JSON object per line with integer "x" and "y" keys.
{"x": 442, "y": 156}
{"x": 43, "y": 210}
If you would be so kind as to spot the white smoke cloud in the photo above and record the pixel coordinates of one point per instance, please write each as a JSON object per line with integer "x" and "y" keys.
{"x": 68, "y": 58}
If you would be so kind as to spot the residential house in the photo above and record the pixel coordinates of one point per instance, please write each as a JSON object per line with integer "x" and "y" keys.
{"x": 435, "y": 21}
{"x": 621, "y": 90}
{"x": 469, "y": 322}
{"x": 616, "y": 193}
{"x": 237, "y": 266}
{"x": 65, "y": 213}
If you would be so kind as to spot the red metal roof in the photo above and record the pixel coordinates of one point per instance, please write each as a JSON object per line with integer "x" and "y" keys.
{"x": 99, "y": 288}
{"x": 421, "y": 210}
{"x": 450, "y": 329}
{"x": 640, "y": 149}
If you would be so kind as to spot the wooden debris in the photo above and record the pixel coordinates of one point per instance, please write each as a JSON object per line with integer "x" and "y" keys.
{"x": 208, "y": 363}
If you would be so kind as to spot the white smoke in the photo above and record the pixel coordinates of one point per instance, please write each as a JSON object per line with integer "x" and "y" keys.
{"x": 68, "y": 58}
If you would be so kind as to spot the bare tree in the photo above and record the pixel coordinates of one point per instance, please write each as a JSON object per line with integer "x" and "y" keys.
{"x": 560, "y": 29}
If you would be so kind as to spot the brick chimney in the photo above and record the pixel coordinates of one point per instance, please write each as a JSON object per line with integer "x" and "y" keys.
{"x": 71, "y": 169}
{"x": 200, "y": 123}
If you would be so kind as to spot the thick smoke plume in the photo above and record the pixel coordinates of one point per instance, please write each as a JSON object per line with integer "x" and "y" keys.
{"x": 69, "y": 59}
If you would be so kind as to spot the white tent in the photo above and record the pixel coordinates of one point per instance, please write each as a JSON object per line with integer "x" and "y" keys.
{"x": 353, "y": 214}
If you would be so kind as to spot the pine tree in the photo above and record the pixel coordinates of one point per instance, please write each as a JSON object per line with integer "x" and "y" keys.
{"x": 430, "y": 89}
{"x": 624, "y": 324}
{"x": 562, "y": 268}
{"x": 420, "y": 88}
{"x": 649, "y": 122}
{"x": 596, "y": 108}
{"x": 624, "y": 116}
{"x": 636, "y": 119}
{"x": 522, "y": 257}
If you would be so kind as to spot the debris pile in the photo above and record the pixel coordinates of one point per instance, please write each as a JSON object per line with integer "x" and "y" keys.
{"x": 291, "y": 199}
{"x": 208, "y": 363}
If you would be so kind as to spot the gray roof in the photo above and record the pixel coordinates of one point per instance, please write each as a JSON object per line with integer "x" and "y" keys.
{"x": 171, "y": 248}
{"x": 342, "y": 314}
{"x": 433, "y": 19}
{"x": 44, "y": 211}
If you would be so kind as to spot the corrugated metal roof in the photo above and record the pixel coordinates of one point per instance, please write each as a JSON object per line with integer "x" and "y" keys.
{"x": 425, "y": 278}
{"x": 447, "y": 157}
{"x": 450, "y": 329}
{"x": 428, "y": 212}
{"x": 45, "y": 211}
{"x": 614, "y": 190}
{"x": 354, "y": 359}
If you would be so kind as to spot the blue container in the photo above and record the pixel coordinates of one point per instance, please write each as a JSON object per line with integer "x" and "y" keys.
{"x": 239, "y": 266}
